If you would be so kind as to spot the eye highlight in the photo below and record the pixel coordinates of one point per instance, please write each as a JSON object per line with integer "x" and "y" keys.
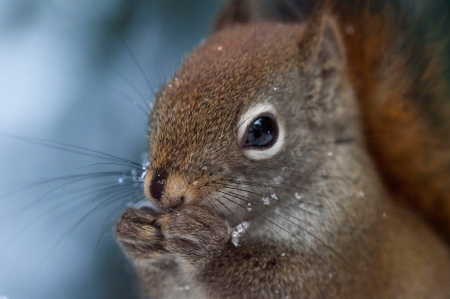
{"x": 261, "y": 133}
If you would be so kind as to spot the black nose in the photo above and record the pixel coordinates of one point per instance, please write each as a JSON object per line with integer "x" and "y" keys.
{"x": 158, "y": 183}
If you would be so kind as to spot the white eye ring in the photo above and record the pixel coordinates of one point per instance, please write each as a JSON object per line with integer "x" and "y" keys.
{"x": 247, "y": 119}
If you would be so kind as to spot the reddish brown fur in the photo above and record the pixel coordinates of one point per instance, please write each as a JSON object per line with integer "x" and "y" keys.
{"x": 412, "y": 155}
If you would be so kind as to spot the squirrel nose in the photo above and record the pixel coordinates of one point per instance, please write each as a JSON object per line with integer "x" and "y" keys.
{"x": 158, "y": 183}
{"x": 168, "y": 192}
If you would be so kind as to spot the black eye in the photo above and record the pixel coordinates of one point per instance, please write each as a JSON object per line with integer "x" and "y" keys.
{"x": 261, "y": 133}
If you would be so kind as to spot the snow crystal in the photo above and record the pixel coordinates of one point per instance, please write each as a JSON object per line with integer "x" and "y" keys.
{"x": 134, "y": 175}
{"x": 274, "y": 196}
{"x": 278, "y": 180}
{"x": 238, "y": 232}
{"x": 144, "y": 171}
{"x": 219, "y": 48}
{"x": 266, "y": 200}
{"x": 180, "y": 288}
{"x": 298, "y": 196}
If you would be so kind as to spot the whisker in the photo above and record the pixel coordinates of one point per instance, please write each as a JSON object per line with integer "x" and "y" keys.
{"x": 84, "y": 176}
{"x": 70, "y": 148}
{"x": 106, "y": 227}
{"x": 219, "y": 212}
{"x": 262, "y": 195}
{"x": 286, "y": 241}
{"x": 264, "y": 218}
{"x": 106, "y": 163}
{"x": 110, "y": 188}
{"x": 56, "y": 245}
{"x": 267, "y": 186}
{"x": 274, "y": 211}
{"x": 132, "y": 101}
{"x": 134, "y": 87}
{"x": 103, "y": 203}
{"x": 235, "y": 217}
{"x": 41, "y": 215}
{"x": 133, "y": 57}
{"x": 253, "y": 201}
{"x": 67, "y": 201}
{"x": 80, "y": 178}
{"x": 278, "y": 226}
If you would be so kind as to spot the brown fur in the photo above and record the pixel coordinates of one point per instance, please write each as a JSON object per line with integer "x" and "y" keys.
{"x": 412, "y": 155}
{"x": 356, "y": 142}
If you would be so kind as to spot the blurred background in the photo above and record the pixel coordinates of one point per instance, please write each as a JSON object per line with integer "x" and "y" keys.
{"x": 82, "y": 73}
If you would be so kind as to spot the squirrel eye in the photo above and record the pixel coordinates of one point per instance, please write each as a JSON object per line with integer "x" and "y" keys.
{"x": 261, "y": 133}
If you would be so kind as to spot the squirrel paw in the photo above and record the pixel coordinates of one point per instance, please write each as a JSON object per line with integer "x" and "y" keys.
{"x": 139, "y": 234}
{"x": 193, "y": 233}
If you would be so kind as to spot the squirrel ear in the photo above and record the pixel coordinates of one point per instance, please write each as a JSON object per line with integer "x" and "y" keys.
{"x": 234, "y": 12}
{"x": 322, "y": 43}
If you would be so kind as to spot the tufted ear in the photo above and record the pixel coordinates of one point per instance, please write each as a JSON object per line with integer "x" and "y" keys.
{"x": 321, "y": 43}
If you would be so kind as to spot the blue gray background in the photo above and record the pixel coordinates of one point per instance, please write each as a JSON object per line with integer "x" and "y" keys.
{"x": 67, "y": 74}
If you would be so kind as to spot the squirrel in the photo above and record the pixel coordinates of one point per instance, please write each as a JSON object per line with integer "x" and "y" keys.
{"x": 301, "y": 151}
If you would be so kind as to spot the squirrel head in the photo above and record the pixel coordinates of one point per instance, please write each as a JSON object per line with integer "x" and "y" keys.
{"x": 250, "y": 106}
{"x": 261, "y": 125}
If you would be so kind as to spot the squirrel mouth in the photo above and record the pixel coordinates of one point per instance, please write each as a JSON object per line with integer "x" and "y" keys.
{"x": 147, "y": 206}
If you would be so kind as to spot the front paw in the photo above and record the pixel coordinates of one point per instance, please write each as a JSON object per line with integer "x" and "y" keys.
{"x": 139, "y": 234}
{"x": 194, "y": 233}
